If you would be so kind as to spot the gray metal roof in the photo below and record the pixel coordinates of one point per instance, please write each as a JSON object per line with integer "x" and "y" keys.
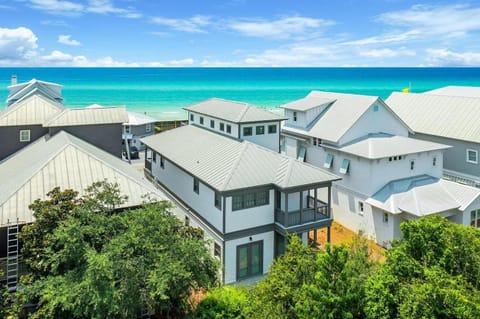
{"x": 423, "y": 195}
{"x": 232, "y": 111}
{"x": 339, "y": 116}
{"x": 70, "y": 163}
{"x": 448, "y": 116}
{"x": 307, "y": 103}
{"x": 378, "y": 146}
{"x": 452, "y": 90}
{"x": 139, "y": 119}
{"x": 34, "y": 110}
{"x": 91, "y": 116}
{"x": 228, "y": 164}
{"x": 19, "y": 91}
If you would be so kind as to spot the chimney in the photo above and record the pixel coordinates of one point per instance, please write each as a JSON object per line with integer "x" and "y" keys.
{"x": 14, "y": 79}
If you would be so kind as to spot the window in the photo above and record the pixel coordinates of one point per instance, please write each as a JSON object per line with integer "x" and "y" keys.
{"x": 229, "y": 128}
{"x": 475, "y": 218}
{"x": 412, "y": 165}
{"x": 272, "y": 129}
{"x": 201, "y": 120}
{"x": 196, "y": 185}
{"x": 434, "y": 161}
{"x": 217, "y": 200}
{"x": 127, "y": 128}
{"x": 249, "y": 260}
{"x": 237, "y": 202}
{"x": 247, "y": 131}
{"x": 385, "y": 218}
{"x": 148, "y": 127}
{"x": 212, "y": 123}
{"x": 162, "y": 162}
{"x": 472, "y": 156}
{"x": 24, "y": 135}
{"x": 328, "y": 161}
{"x": 187, "y": 221}
{"x": 222, "y": 127}
{"x": 390, "y": 159}
{"x": 375, "y": 108}
{"x": 260, "y": 130}
{"x": 217, "y": 251}
{"x": 345, "y": 166}
{"x": 249, "y": 200}
{"x": 314, "y": 141}
{"x": 192, "y": 118}
{"x": 294, "y": 116}
{"x": 360, "y": 208}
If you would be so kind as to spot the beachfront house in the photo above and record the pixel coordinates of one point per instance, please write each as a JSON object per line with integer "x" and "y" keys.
{"x": 65, "y": 161}
{"x": 387, "y": 177}
{"x": 451, "y": 116}
{"x": 238, "y": 120}
{"x": 245, "y": 196}
{"x": 138, "y": 126}
{"x": 21, "y": 91}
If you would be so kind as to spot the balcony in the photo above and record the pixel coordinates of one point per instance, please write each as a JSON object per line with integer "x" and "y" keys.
{"x": 316, "y": 211}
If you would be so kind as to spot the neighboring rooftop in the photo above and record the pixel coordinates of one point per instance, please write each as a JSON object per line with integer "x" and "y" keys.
{"x": 139, "y": 119}
{"x": 465, "y": 91}
{"x": 376, "y": 146}
{"x": 447, "y": 116}
{"x": 228, "y": 164}
{"x": 50, "y": 90}
{"x": 232, "y": 111}
{"x": 88, "y": 116}
{"x": 33, "y": 110}
{"x": 309, "y": 102}
{"x": 70, "y": 163}
{"x": 423, "y": 195}
{"x": 338, "y": 117}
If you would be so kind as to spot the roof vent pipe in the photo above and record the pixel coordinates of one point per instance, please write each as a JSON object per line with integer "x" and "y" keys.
{"x": 14, "y": 79}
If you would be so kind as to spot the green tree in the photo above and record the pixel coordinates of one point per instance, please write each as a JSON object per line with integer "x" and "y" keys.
{"x": 228, "y": 302}
{"x": 338, "y": 290}
{"x": 433, "y": 272}
{"x": 101, "y": 263}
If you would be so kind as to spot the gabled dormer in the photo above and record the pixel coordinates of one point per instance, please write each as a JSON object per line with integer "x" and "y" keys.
{"x": 302, "y": 113}
{"x": 238, "y": 120}
{"x": 21, "y": 91}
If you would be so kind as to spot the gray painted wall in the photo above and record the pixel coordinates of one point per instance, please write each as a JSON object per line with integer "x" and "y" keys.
{"x": 107, "y": 136}
{"x": 10, "y": 138}
{"x": 455, "y": 158}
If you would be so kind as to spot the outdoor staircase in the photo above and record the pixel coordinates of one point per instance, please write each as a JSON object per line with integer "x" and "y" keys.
{"x": 12, "y": 256}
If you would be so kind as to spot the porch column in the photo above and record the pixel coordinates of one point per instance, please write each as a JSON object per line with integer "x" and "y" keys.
{"x": 315, "y": 237}
{"x": 301, "y": 207}
{"x": 315, "y": 204}
{"x": 330, "y": 201}
{"x": 285, "y": 215}
{"x": 328, "y": 234}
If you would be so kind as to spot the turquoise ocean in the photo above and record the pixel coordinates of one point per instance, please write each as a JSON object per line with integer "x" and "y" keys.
{"x": 163, "y": 92}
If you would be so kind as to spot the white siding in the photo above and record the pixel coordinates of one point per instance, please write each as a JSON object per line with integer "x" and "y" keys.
{"x": 375, "y": 122}
{"x": 250, "y": 217}
{"x": 465, "y": 220}
{"x": 216, "y": 129}
{"x": 181, "y": 184}
{"x": 291, "y": 147}
{"x": 231, "y": 253}
{"x": 270, "y": 141}
{"x": 301, "y": 121}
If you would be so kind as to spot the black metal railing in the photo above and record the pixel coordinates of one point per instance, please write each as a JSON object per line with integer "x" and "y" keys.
{"x": 307, "y": 215}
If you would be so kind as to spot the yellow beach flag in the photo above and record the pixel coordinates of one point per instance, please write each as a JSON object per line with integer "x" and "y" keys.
{"x": 406, "y": 90}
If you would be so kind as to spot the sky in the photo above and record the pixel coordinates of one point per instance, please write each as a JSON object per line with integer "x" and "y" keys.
{"x": 239, "y": 33}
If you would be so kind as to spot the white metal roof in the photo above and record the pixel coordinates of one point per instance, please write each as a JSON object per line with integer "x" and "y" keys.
{"x": 447, "y": 116}
{"x": 228, "y": 164}
{"x": 452, "y": 90}
{"x": 50, "y": 90}
{"x": 232, "y": 111}
{"x": 33, "y": 110}
{"x": 339, "y": 116}
{"x": 307, "y": 103}
{"x": 92, "y": 116}
{"x": 70, "y": 163}
{"x": 377, "y": 146}
{"x": 139, "y": 119}
{"x": 423, "y": 195}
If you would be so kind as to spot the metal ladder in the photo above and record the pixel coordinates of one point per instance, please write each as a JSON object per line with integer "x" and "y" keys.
{"x": 12, "y": 256}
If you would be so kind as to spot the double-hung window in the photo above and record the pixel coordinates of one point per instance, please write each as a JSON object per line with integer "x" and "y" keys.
{"x": 345, "y": 166}
{"x": 24, "y": 135}
{"x": 272, "y": 129}
{"x": 196, "y": 185}
{"x": 260, "y": 130}
{"x": 328, "y": 161}
{"x": 472, "y": 156}
{"x": 247, "y": 131}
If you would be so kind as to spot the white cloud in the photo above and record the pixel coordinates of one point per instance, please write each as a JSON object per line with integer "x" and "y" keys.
{"x": 195, "y": 24}
{"x": 396, "y": 37}
{"x": 17, "y": 44}
{"x": 444, "y": 57}
{"x": 279, "y": 29}
{"x": 59, "y": 58}
{"x": 387, "y": 53}
{"x": 183, "y": 62}
{"x": 447, "y": 20}
{"x": 60, "y": 7}
{"x": 106, "y": 7}
{"x": 67, "y": 40}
